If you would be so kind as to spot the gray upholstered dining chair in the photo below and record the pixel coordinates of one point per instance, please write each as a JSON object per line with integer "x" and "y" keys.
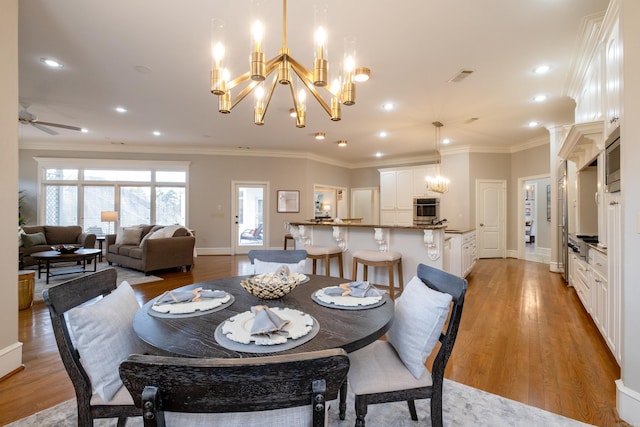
{"x": 394, "y": 370}
{"x": 283, "y": 390}
{"x": 93, "y": 338}
{"x": 267, "y": 260}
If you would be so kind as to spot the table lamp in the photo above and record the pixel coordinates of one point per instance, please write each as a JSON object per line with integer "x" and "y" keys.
{"x": 109, "y": 216}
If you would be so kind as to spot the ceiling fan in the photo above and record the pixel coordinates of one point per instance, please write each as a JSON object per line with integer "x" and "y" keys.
{"x": 27, "y": 118}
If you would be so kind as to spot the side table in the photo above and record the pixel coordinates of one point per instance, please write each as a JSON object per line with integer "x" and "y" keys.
{"x": 26, "y": 285}
{"x": 100, "y": 240}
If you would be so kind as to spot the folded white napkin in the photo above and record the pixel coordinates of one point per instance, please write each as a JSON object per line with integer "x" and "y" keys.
{"x": 173, "y": 297}
{"x": 355, "y": 289}
{"x": 266, "y": 322}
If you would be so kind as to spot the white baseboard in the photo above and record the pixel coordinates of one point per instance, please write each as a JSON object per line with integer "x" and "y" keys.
{"x": 628, "y": 403}
{"x": 10, "y": 358}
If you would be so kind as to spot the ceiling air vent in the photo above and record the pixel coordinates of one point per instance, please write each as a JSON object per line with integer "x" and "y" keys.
{"x": 460, "y": 76}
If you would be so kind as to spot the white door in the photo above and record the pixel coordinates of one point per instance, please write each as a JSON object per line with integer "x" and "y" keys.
{"x": 249, "y": 216}
{"x": 491, "y": 213}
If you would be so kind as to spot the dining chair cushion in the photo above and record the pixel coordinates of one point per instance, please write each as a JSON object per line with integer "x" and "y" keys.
{"x": 420, "y": 313}
{"x": 271, "y": 267}
{"x": 298, "y": 416}
{"x": 104, "y": 336}
{"x": 376, "y": 368}
{"x": 122, "y": 397}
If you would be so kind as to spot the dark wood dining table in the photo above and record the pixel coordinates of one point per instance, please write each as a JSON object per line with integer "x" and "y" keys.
{"x": 194, "y": 336}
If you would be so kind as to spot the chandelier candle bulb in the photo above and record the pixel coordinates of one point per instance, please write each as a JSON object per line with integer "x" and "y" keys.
{"x": 336, "y": 110}
{"x": 224, "y": 103}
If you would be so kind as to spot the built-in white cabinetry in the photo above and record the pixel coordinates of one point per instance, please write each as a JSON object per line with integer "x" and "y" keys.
{"x": 599, "y": 290}
{"x": 614, "y": 271}
{"x": 613, "y": 75}
{"x": 398, "y": 187}
{"x": 462, "y": 253}
{"x": 581, "y": 280}
{"x": 601, "y": 202}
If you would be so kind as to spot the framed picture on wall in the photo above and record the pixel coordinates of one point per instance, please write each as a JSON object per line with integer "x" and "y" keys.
{"x": 288, "y": 201}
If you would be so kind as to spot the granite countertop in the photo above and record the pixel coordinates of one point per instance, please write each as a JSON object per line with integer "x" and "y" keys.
{"x": 346, "y": 224}
{"x": 597, "y": 248}
{"x": 461, "y": 231}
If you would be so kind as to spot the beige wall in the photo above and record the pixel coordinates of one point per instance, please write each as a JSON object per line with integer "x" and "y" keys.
{"x": 526, "y": 163}
{"x": 10, "y": 348}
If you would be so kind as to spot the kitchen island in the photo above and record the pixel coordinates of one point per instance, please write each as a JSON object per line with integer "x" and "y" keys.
{"x": 422, "y": 244}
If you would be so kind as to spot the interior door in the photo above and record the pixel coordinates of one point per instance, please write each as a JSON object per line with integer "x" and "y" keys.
{"x": 491, "y": 218}
{"x": 249, "y": 216}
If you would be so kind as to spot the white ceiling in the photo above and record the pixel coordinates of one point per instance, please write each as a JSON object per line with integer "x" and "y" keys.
{"x": 412, "y": 47}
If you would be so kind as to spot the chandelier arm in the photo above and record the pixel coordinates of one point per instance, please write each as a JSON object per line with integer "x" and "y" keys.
{"x": 269, "y": 95}
{"x": 295, "y": 100}
{"x": 306, "y": 77}
{"x": 270, "y": 65}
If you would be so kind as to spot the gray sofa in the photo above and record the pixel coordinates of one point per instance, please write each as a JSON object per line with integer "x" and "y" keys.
{"x": 149, "y": 253}
{"x": 53, "y": 235}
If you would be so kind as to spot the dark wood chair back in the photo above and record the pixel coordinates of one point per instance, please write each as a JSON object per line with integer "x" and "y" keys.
{"x": 455, "y": 286}
{"x": 176, "y": 384}
{"x": 60, "y": 299}
{"x": 277, "y": 255}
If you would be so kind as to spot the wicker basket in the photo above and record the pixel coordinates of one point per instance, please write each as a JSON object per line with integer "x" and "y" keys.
{"x": 269, "y": 286}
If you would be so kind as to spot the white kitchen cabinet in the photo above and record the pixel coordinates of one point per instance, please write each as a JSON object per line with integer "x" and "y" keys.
{"x": 581, "y": 282}
{"x": 613, "y": 75}
{"x": 600, "y": 290}
{"x": 614, "y": 271}
{"x": 601, "y": 203}
{"x": 462, "y": 253}
{"x": 398, "y": 187}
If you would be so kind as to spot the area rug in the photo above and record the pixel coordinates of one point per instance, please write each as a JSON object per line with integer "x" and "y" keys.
{"x": 134, "y": 277}
{"x": 463, "y": 406}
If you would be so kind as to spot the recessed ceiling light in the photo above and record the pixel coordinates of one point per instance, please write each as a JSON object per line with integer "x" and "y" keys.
{"x": 342, "y": 143}
{"x": 541, "y": 69}
{"x": 540, "y": 98}
{"x": 83, "y": 130}
{"x": 319, "y": 135}
{"x": 446, "y": 141}
{"x": 51, "y": 62}
{"x": 157, "y": 133}
{"x": 533, "y": 124}
{"x": 121, "y": 109}
{"x": 382, "y": 134}
{"x": 388, "y": 106}
{"x": 378, "y": 154}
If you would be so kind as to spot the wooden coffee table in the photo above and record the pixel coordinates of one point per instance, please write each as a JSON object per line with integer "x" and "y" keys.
{"x": 81, "y": 256}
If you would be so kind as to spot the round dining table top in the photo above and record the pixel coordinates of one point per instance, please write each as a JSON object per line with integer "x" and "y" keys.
{"x": 194, "y": 336}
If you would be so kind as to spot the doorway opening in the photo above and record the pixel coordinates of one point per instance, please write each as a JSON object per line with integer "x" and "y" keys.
{"x": 249, "y": 216}
{"x": 534, "y": 219}
{"x": 329, "y": 202}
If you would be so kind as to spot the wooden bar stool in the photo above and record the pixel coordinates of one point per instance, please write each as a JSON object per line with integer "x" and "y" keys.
{"x": 380, "y": 259}
{"x": 325, "y": 253}
{"x": 289, "y": 237}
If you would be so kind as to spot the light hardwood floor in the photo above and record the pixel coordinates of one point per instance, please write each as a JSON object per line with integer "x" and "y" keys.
{"x": 524, "y": 335}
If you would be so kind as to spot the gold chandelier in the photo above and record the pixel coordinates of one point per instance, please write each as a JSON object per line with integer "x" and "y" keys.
{"x": 342, "y": 89}
{"x": 438, "y": 183}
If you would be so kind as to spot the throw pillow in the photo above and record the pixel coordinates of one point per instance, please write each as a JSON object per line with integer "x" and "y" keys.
{"x": 420, "y": 313}
{"x": 104, "y": 336}
{"x": 165, "y": 232}
{"x": 128, "y": 236}
{"x": 262, "y": 267}
{"x": 34, "y": 239}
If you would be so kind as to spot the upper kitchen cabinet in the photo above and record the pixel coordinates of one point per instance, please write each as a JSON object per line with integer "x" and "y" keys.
{"x": 398, "y": 187}
{"x": 612, "y": 69}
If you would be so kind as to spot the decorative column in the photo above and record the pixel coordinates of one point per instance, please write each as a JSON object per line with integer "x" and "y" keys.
{"x": 432, "y": 246}
{"x": 300, "y": 235}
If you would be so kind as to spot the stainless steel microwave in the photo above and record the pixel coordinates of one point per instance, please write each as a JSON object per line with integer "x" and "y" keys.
{"x": 426, "y": 211}
{"x": 612, "y": 163}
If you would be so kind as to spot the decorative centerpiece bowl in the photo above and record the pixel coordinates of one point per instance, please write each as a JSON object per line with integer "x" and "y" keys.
{"x": 269, "y": 286}
{"x": 65, "y": 249}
